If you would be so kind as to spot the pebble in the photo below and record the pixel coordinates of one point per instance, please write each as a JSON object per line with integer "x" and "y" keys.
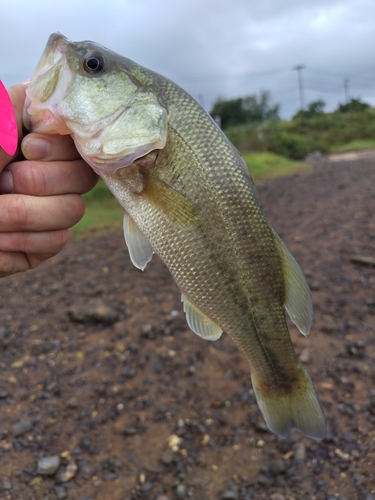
{"x": 300, "y": 453}
{"x": 167, "y": 457}
{"x": 230, "y": 495}
{"x": 47, "y": 466}
{"x": 277, "y": 467}
{"x": 130, "y": 431}
{"x": 147, "y": 486}
{"x": 181, "y": 491}
{"x": 73, "y": 403}
{"x": 22, "y": 427}
{"x": 61, "y": 492}
{"x": 86, "y": 470}
{"x": 305, "y": 356}
{"x": 358, "y": 479}
{"x": 68, "y": 472}
{"x": 95, "y": 310}
{"x": 263, "y": 480}
{"x": 7, "y": 485}
{"x": 277, "y": 496}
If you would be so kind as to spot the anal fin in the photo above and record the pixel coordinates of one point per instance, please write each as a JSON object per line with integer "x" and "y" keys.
{"x": 199, "y": 323}
{"x": 140, "y": 250}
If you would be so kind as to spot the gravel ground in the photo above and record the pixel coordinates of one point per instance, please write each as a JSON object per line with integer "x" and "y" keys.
{"x": 106, "y": 394}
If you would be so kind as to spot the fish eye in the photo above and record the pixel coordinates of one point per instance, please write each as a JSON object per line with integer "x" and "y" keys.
{"x": 93, "y": 63}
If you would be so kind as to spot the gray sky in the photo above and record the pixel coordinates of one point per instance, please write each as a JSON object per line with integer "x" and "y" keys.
{"x": 227, "y": 48}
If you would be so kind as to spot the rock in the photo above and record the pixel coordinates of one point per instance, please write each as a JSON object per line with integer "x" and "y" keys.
{"x": 47, "y": 466}
{"x": 73, "y": 403}
{"x": 181, "y": 491}
{"x": 230, "y": 495}
{"x": 300, "y": 453}
{"x": 147, "y": 486}
{"x": 263, "y": 480}
{"x": 7, "y": 485}
{"x": 61, "y": 492}
{"x": 22, "y": 427}
{"x": 305, "y": 357}
{"x": 131, "y": 430}
{"x": 277, "y": 467}
{"x": 86, "y": 470}
{"x": 358, "y": 479}
{"x": 68, "y": 472}
{"x": 277, "y": 496}
{"x": 167, "y": 457}
{"x": 94, "y": 311}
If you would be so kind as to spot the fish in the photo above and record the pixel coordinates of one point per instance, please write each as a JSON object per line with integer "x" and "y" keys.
{"x": 188, "y": 197}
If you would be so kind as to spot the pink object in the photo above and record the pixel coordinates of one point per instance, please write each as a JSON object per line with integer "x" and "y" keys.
{"x": 8, "y": 123}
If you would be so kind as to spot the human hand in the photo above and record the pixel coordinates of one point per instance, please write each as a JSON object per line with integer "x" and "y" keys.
{"x": 40, "y": 196}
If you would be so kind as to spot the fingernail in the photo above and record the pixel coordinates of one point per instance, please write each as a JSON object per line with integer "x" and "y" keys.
{"x": 36, "y": 149}
{"x": 6, "y": 182}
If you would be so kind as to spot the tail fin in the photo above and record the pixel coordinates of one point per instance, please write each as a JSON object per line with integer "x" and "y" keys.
{"x": 297, "y": 407}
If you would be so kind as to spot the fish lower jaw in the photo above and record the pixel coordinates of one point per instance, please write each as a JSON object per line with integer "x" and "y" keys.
{"x": 45, "y": 122}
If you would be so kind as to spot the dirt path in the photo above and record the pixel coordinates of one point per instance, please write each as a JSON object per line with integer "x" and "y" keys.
{"x": 138, "y": 407}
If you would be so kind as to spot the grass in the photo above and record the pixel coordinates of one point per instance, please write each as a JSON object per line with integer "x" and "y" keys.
{"x": 356, "y": 145}
{"x": 104, "y": 213}
{"x": 266, "y": 165}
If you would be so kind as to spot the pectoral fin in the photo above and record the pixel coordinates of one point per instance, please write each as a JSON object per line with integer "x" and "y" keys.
{"x": 297, "y": 293}
{"x": 140, "y": 250}
{"x": 175, "y": 205}
{"x": 199, "y": 323}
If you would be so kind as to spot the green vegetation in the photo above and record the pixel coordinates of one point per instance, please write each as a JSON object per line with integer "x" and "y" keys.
{"x": 103, "y": 212}
{"x": 352, "y": 124}
{"x": 266, "y": 165}
{"x": 249, "y": 109}
{"x": 357, "y": 145}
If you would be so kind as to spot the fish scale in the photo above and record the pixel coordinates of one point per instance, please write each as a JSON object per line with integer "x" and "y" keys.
{"x": 188, "y": 197}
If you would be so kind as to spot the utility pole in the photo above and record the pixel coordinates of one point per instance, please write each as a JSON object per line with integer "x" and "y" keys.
{"x": 346, "y": 90}
{"x": 299, "y": 68}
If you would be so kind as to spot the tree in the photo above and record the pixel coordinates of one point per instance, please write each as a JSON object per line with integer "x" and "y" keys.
{"x": 353, "y": 105}
{"x": 249, "y": 109}
{"x": 314, "y": 108}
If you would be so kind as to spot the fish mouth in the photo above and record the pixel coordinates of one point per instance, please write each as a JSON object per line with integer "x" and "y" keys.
{"x": 50, "y": 82}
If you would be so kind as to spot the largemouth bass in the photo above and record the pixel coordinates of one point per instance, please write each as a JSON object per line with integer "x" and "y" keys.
{"x": 188, "y": 197}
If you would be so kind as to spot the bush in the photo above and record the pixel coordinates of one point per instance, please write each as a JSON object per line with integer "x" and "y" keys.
{"x": 288, "y": 144}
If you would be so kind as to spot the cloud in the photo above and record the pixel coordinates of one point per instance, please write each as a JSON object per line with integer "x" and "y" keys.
{"x": 228, "y": 48}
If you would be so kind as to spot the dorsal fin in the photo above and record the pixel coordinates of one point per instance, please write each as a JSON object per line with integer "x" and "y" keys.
{"x": 297, "y": 293}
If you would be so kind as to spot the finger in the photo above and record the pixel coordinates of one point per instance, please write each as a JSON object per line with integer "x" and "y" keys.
{"x": 22, "y": 251}
{"x": 17, "y": 96}
{"x": 46, "y": 244}
{"x": 12, "y": 262}
{"x": 46, "y": 179}
{"x": 49, "y": 147}
{"x": 46, "y": 213}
